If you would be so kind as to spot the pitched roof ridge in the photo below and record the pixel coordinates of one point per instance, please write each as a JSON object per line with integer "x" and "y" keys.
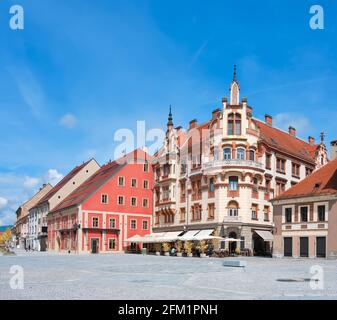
{"x": 283, "y": 131}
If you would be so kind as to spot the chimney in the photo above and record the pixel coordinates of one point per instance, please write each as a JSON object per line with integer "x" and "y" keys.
{"x": 333, "y": 150}
{"x": 268, "y": 120}
{"x": 311, "y": 140}
{"x": 292, "y": 131}
{"x": 193, "y": 123}
{"x": 215, "y": 113}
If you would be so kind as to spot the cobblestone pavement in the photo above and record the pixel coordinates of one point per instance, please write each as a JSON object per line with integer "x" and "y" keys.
{"x": 126, "y": 276}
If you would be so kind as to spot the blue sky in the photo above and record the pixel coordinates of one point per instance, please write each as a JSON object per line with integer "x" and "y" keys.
{"x": 80, "y": 70}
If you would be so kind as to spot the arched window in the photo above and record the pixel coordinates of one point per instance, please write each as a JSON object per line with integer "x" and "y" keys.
{"x": 251, "y": 155}
{"x": 233, "y": 183}
{"x": 233, "y": 209}
{"x": 240, "y": 153}
{"x": 234, "y": 124}
{"x": 227, "y": 153}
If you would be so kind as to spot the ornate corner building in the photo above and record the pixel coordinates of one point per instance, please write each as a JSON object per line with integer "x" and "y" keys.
{"x": 222, "y": 174}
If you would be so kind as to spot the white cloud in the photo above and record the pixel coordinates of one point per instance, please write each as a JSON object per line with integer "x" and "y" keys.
{"x": 30, "y": 182}
{"x": 68, "y": 121}
{"x": 3, "y": 202}
{"x": 299, "y": 122}
{"x": 53, "y": 176}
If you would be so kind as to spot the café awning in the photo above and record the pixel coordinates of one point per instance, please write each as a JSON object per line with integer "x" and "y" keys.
{"x": 169, "y": 236}
{"x": 205, "y": 235}
{"x": 189, "y": 235}
{"x": 265, "y": 235}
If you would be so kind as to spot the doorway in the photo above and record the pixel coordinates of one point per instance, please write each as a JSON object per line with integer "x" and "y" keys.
{"x": 232, "y": 245}
{"x": 321, "y": 247}
{"x": 304, "y": 247}
{"x": 94, "y": 245}
{"x": 288, "y": 247}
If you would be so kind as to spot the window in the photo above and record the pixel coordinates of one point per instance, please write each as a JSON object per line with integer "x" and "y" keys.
{"x": 227, "y": 153}
{"x": 133, "y": 183}
{"x": 112, "y": 223}
{"x": 133, "y": 224}
{"x": 182, "y": 214}
{"x": 146, "y": 184}
{"x": 196, "y": 212}
{"x": 104, "y": 198}
{"x": 268, "y": 161}
{"x": 145, "y": 225}
{"x": 295, "y": 169}
{"x": 183, "y": 168}
{"x": 233, "y": 183}
{"x": 112, "y": 244}
{"x": 133, "y": 201}
{"x": 233, "y": 209}
{"x": 211, "y": 211}
{"x": 304, "y": 214}
{"x": 121, "y": 181}
{"x": 268, "y": 181}
{"x": 266, "y": 213}
{"x": 166, "y": 193}
{"x": 240, "y": 154}
{"x": 166, "y": 169}
{"x": 120, "y": 200}
{"x": 251, "y": 155}
{"x": 211, "y": 187}
{"x": 255, "y": 185}
{"x": 145, "y": 203}
{"x": 280, "y": 165}
{"x": 254, "y": 211}
{"x": 95, "y": 222}
{"x": 321, "y": 213}
{"x": 280, "y": 187}
{"x": 234, "y": 124}
{"x": 146, "y": 167}
{"x": 308, "y": 172}
{"x": 215, "y": 154}
{"x": 288, "y": 215}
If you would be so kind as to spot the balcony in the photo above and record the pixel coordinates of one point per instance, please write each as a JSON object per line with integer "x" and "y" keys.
{"x": 232, "y": 219}
{"x": 218, "y": 164}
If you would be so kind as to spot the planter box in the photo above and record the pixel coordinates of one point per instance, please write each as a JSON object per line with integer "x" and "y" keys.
{"x": 190, "y": 255}
{"x": 157, "y": 253}
{"x": 203, "y": 255}
{"x": 166, "y": 253}
{"x": 179, "y": 254}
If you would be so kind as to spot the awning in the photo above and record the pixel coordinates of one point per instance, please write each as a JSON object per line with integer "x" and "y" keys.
{"x": 205, "y": 235}
{"x": 231, "y": 240}
{"x": 189, "y": 235}
{"x": 169, "y": 237}
{"x": 265, "y": 235}
{"x": 135, "y": 239}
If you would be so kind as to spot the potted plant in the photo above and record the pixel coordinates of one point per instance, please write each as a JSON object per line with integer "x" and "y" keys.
{"x": 166, "y": 248}
{"x": 237, "y": 251}
{"x": 157, "y": 248}
{"x": 179, "y": 247}
{"x": 188, "y": 248}
{"x": 202, "y": 247}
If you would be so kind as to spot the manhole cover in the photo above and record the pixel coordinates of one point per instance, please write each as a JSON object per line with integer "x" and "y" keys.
{"x": 295, "y": 280}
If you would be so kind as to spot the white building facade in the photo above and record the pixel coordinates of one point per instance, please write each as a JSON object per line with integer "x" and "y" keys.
{"x": 222, "y": 174}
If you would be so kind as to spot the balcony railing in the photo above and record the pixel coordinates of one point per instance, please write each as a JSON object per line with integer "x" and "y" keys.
{"x": 232, "y": 219}
{"x": 234, "y": 162}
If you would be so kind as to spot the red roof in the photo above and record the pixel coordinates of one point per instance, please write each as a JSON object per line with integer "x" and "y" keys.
{"x": 322, "y": 181}
{"x": 98, "y": 179}
{"x": 63, "y": 182}
{"x": 283, "y": 141}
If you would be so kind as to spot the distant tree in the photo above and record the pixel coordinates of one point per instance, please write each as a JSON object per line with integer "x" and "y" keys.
{"x": 5, "y": 236}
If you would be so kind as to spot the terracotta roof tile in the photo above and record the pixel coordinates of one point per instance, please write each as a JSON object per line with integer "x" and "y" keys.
{"x": 322, "y": 181}
{"x": 98, "y": 179}
{"x": 283, "y": 141}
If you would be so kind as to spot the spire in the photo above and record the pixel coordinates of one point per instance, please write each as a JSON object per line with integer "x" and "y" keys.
{"x": 322, "y": 135}
{"x": 170, "y": 119}
{"x": 234, "y": 75}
